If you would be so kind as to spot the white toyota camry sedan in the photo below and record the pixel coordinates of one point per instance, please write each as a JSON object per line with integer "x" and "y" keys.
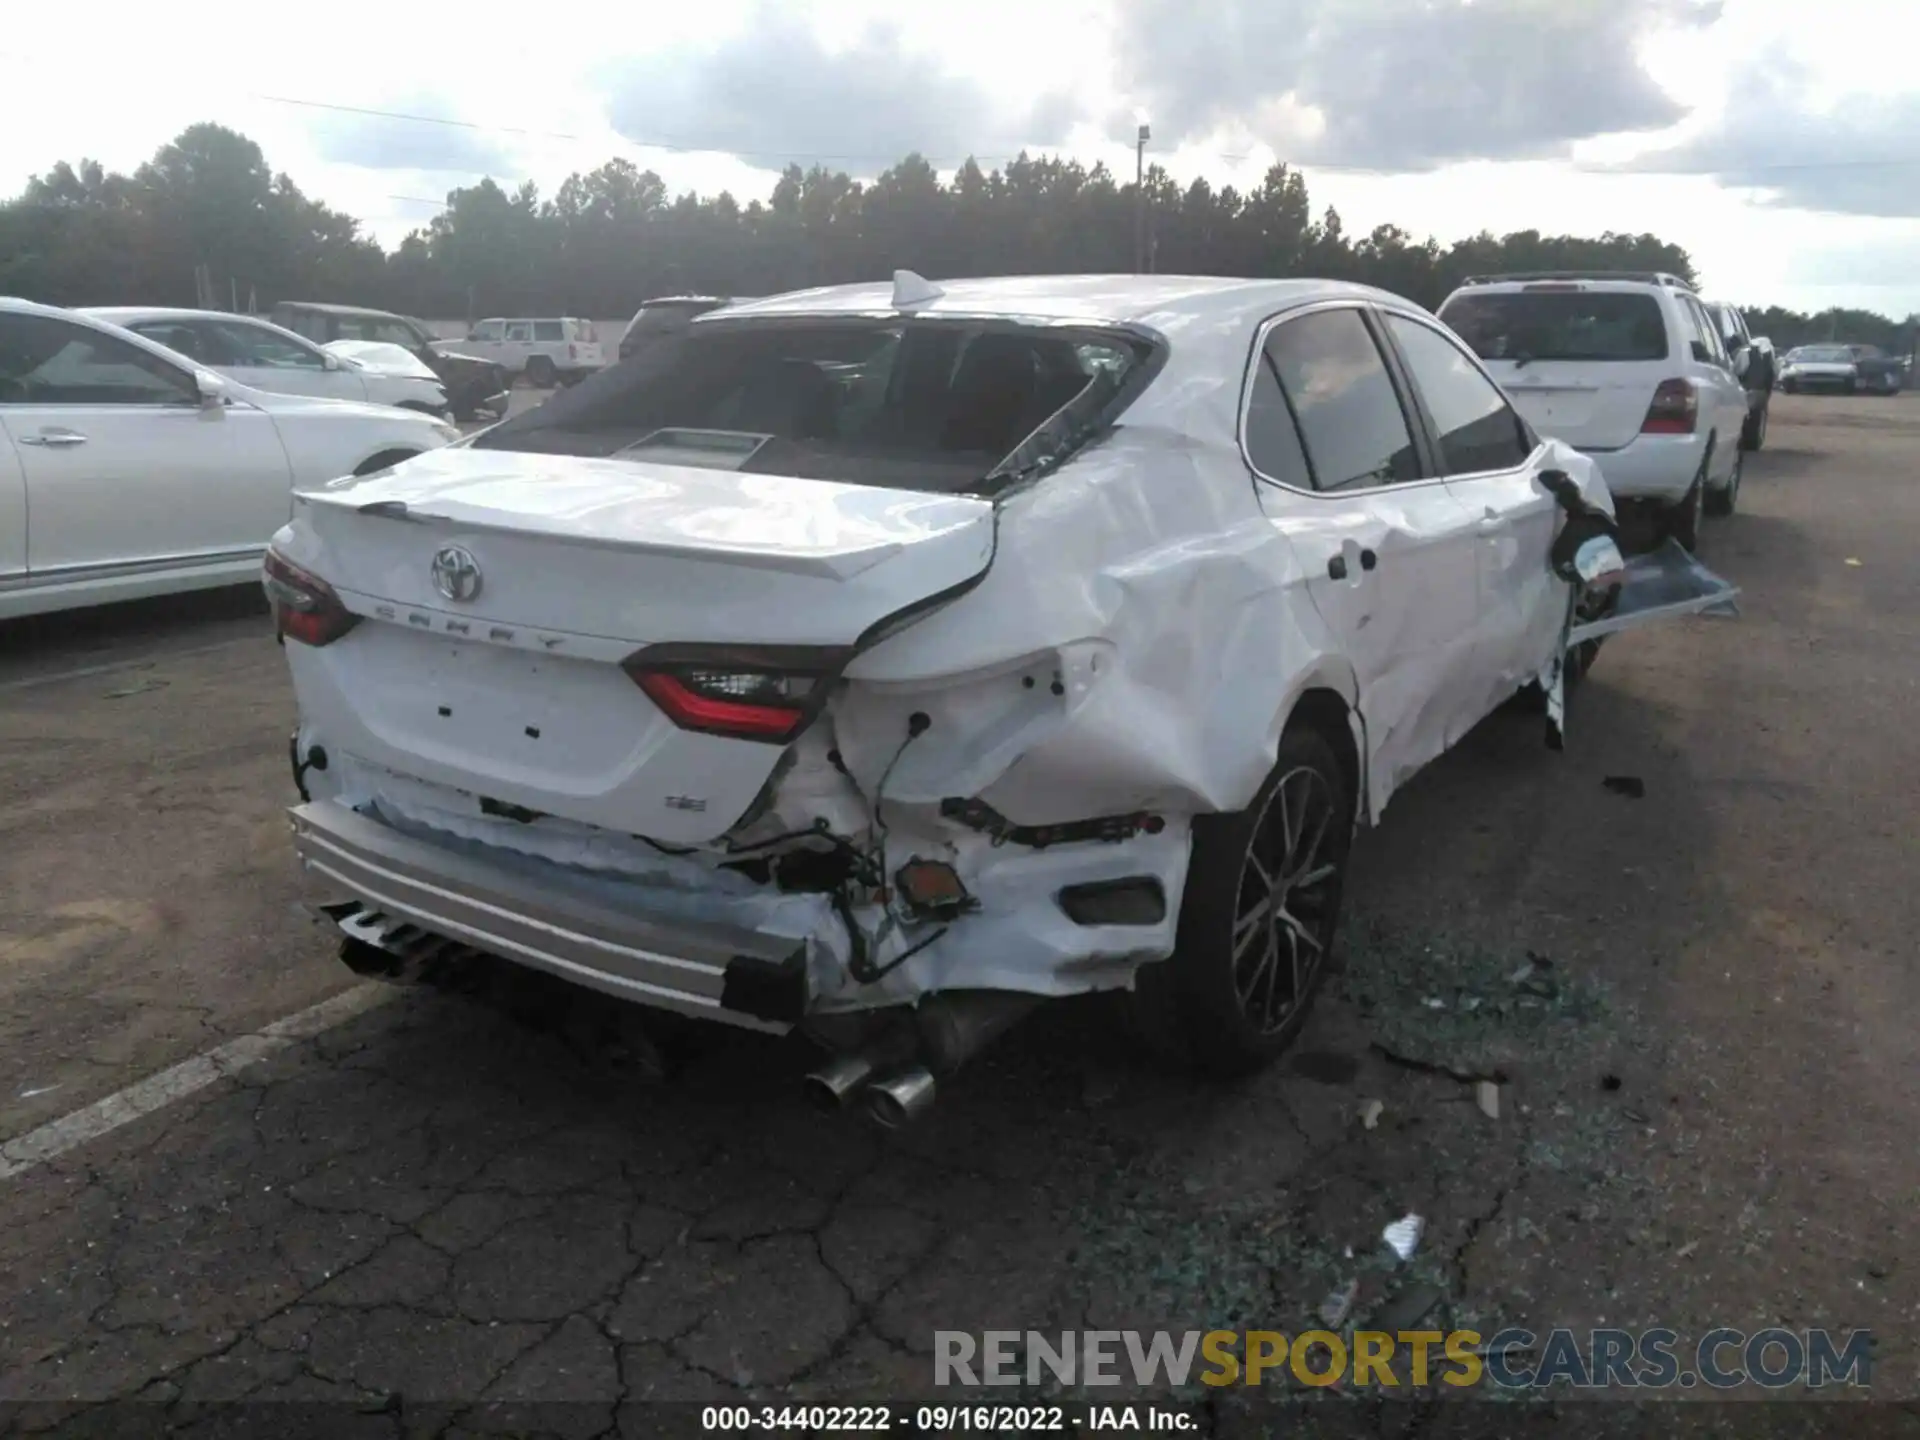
{"x": 128, "y": 471}
{"x": 879, "y": 661}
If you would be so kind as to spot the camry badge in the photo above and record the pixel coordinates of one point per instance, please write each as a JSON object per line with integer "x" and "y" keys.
{"x": 456, "y": 574}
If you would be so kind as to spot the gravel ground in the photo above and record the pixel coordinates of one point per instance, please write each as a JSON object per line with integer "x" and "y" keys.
{"x": 1698, "y": 1003}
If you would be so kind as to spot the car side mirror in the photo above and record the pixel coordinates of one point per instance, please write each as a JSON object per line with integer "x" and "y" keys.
{"x": 213, "y": 390}
{"x": 329, "y": 362}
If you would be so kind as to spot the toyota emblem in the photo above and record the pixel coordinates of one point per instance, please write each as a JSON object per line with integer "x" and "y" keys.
{"x": 456, "y": 574}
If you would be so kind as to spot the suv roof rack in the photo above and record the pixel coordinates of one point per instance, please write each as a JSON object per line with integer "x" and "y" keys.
{"x": 1639, "y": 277}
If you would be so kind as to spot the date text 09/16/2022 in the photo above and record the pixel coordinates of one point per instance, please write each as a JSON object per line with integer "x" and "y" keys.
{"x": 943, "y": 1419}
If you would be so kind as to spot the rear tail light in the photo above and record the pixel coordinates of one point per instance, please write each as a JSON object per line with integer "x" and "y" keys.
{"x": 573, "y": 351}
{"x": 305, "y": 607}
{"x": 1674, "y": 411}
{"x": 723, "y": 697}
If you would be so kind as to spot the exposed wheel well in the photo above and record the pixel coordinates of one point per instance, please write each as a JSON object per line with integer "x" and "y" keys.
{"x": 383, "y": 460}
{"x": 1326, "y": 713}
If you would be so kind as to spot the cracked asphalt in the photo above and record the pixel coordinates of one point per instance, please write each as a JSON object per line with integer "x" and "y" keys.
{"x": 1698, "y": 1005}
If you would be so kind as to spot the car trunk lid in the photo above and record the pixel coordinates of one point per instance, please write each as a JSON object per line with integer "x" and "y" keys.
{"x": 579, "y": 637}
{"x": 1592, "y": 405}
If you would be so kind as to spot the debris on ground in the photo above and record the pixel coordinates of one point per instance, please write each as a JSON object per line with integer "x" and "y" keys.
{"x": 1486, "y": 1095}
{"x": 38, "y": 1090}
{"x": 1339, "y": 1304}
{"x": 1853, "y": 562}
{"x": 1403, "y": 1235}
{"x": 1370, "y": 1113}
{"x": 1687, "y": 1249}
{"x": 1631, "y": 786}
{"x": 1408, "y": 1308}
{"x": 1609, "y": 1082}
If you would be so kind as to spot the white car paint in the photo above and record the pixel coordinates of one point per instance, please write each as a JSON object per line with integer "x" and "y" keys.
{"x": 119, "y": 498}
{"x": 1600, "y": 405}
{"x": 565, "y": 346}
{"x": 1127, "y": 634}
{"x": 266, "y": 357}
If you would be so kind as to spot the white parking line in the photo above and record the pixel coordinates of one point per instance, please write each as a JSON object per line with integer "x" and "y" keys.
{"x": 177, "y": 1082}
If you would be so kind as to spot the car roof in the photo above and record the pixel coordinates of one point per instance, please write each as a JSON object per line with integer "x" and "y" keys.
{"x": 1067, "y": 299}
{"x": 1600, "y": 281}
{"x": 322, "y": 308}
{"x": 120, "y": 314}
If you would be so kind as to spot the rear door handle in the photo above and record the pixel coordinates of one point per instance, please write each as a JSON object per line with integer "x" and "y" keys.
{"x": 54, "y": 438}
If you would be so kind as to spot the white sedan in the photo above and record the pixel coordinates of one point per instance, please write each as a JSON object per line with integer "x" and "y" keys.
{"x": 127, "y": 471}
{"x": 880, "y": 662}
{"x": 262, "y": 355}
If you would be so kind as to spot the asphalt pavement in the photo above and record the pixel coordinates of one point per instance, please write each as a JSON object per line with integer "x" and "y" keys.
{"x": 1697, "y": 1000}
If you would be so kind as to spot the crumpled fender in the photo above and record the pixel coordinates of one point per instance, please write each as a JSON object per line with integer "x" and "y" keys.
{"x": 1138, "y": 645}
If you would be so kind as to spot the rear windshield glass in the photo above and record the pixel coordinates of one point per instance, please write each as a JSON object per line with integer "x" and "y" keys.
{"x": 929, "y": 404}
{"x": 1559, "y": 325}
{"x": 583, "y": 330}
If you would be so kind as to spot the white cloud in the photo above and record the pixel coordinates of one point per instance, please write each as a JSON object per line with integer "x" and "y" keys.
{"x": 986, "y": 77}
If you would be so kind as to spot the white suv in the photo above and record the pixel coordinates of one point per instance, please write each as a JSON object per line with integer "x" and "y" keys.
{"x": 547, "y": 352}
{"x": 1626, "y": 368}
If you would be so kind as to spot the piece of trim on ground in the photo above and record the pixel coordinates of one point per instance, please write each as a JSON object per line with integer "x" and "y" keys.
{"x": 156, "y": 1092}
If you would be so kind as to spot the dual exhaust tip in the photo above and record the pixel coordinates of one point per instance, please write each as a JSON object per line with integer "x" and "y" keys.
{"x": 891, "y": 1101}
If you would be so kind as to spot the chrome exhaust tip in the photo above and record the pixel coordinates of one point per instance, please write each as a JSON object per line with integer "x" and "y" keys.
{"x": 900, "y": 1099}
{"x": 834, "y": 1084}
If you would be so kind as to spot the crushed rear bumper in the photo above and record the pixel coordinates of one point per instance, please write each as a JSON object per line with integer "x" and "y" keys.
{"x": 411, "y": 891}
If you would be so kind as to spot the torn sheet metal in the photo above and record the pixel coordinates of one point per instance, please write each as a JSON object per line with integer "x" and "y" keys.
{"x": 1665, "y": 584}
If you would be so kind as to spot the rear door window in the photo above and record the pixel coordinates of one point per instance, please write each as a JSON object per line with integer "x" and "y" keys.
{"x": 1476, "y": 427}
{"x": 44, "y": 361}
{"x": 1355, "y": 432}
{"x": 1559, "y": 324}
{"x": 549, "y": 331}
{"x": 1273, "y": 439}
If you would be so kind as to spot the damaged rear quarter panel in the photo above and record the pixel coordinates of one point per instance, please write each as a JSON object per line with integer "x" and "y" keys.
{"x": 1138, "y": 643}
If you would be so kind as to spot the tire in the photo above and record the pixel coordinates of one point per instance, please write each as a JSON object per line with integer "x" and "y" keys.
{"x": 1682, "y": 521}
{"x": 1792, "y": 387}
{"x": 540, "y": 373}
{"x": 1755, "y": 434}
{"x": 1720, "y": 503}
{"x": 1226, "y": 1014}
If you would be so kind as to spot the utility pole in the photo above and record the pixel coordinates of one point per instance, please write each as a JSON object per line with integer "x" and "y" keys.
{"x": 1140, "y": 199}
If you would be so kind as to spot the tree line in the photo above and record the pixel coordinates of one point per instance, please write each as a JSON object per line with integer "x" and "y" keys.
{"x": 208, "y": 203}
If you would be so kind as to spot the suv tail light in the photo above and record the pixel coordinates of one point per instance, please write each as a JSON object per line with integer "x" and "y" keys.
{"x": 1674, "y": 411}
{"x": 573, "y": 351}
{"x": 305, "y": 607}
{"x": 767, "y": 694}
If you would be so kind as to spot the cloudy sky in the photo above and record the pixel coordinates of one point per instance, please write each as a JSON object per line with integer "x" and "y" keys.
{"x": 1778, "y": 140}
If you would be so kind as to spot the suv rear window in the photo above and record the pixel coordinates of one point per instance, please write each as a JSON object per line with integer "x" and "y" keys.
{"x": 583, "y": 330}
{"x": 1559, "y": 325}
{"x": 933, "y": 405}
